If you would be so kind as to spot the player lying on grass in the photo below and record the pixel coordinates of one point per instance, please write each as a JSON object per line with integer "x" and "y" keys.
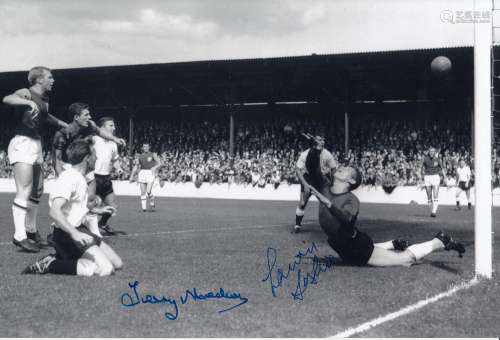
{"x": 338, "y": 212}
{"x": 78, "y": 250}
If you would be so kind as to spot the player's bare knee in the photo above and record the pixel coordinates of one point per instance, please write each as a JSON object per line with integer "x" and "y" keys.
{"x": 85, "y": 267}
{"x": 92, "y": 197}
{"x": 105, "y": 268}
{"x": 118, "y": 263}
{"x": 24, "y": 192}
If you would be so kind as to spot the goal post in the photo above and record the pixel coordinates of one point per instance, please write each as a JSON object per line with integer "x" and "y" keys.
{"x": 483, "y": 39}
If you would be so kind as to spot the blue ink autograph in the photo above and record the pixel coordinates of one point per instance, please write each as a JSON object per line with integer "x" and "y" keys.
{"x": 131, "y": 300}
{"x": 302, "y": 280}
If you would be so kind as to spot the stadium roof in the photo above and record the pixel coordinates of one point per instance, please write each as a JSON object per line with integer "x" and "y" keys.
{"x": 370, "y": 76}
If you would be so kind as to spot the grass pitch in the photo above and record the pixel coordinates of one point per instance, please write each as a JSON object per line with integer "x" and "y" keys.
{"x": 206, "y": 245}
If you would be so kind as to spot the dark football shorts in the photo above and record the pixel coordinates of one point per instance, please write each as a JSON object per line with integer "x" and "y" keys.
{"x": 355, "y": 250}
{"x": 463, "y": 185}
{"x": 316, "y": 182}
{"x": 103, "y": 185}
{"x": 67, "y": 249}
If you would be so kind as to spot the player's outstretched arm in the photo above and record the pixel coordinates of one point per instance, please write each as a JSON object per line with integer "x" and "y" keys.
{"x": 56, "y": 122}
{"x": 311, "y": 138}
{"x": 100, "y": 210}
{"x": 21, "y": 97}
{"x": 323, "y": 199}
{"x": 56, "y": 213}
{"x": 343, "y": 215}
{"x": 300, "y": 174}
{"x": 107, "y": 135}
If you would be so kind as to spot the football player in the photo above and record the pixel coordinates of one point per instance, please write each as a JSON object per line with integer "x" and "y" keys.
{"x": 311, "y": 176}
{"x": 78, "y": 250}
{"x": 26, "y": 155}
{"x": 82, "y": 127}
{"x": 146, "y": 166}
{"x": 463, "y": 178}
{"x": 107, "y": 159}
{"x": 338, "y": 213}
{"x": 432, "y": 168}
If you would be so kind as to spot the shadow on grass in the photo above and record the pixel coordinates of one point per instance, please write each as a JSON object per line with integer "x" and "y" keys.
{"x": 337, "y": 261}
{"x": 444, "y": 266}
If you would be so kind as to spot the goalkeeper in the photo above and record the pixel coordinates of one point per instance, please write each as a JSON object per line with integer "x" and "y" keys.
{"x": 338, "y": 213}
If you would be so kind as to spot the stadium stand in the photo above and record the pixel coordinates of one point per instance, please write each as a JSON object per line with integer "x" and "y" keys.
{"x": 388, "y": 152}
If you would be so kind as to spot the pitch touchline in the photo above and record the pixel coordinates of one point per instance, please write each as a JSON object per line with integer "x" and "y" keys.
{"x": 195, "y": 231}
{"x": 407, "y": 310}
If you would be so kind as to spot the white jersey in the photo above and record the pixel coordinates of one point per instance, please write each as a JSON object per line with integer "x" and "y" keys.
{"x": 107, "y": 153}
{"x": 464, "y": 174}
{"x": 326, "y": 160}
{"x": 72, "y": 186}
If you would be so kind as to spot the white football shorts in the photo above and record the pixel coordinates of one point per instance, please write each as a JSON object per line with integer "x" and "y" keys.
{"x": 145, "y": 176}
{"x": 24, "y": 149}
{"x": 432, "y": 180}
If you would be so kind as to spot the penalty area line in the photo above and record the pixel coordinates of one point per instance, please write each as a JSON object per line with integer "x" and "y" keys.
{"x": 187, "y": 231}
{"x": 406, "y": 310}
{"x": 236, "y": 228}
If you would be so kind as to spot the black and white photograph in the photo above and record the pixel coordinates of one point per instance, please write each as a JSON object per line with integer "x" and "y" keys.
{"x": 249, "y": 169}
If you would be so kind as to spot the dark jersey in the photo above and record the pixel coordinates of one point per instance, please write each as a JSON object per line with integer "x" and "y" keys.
{"x": 352, "y": 245}
{"x": 330, "y": 223}
{"x": 147, "y": 161}
{"x": 432, "y": 166}
{"x": 68, "y": 135}
{"x": 33, "y": 124}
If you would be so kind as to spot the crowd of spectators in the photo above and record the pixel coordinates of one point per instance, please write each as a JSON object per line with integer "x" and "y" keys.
{"x": 388, "y": 152}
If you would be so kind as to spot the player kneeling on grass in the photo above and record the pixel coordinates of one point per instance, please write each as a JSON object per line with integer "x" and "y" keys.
{"x": 337, "y": 217}
{"x": 78, "y": 251}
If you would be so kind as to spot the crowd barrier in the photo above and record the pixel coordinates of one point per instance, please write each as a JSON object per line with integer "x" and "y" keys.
{"x": 285, "y": 192}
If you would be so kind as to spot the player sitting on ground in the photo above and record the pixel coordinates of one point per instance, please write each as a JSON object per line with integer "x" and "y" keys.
{"x": 312, "y": 175}
{"x": 78, "y": 251}
{"x": 338, "y": 212}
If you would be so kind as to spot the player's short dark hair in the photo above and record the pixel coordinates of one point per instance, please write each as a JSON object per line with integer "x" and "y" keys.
{"x": 35, "y": 73}
{"x": 78, "y": 150}
{"x": 358, "y": 178}
{"x": 104, "y": 120}
{"x": 76, "y": 109}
